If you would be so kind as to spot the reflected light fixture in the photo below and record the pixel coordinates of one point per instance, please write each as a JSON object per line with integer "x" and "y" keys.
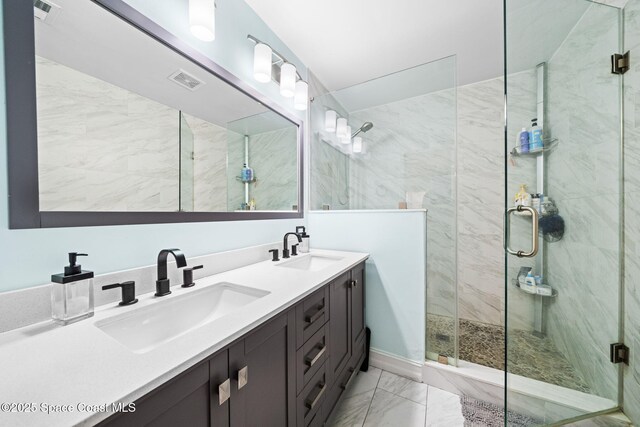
{"x": 330, "y": 118}
{"x": 262, "y": 63}
{"x": 287, "y": 80}
{"x": 202, "y": 19}
{"x": 345, "y": 139}
{"x": 301, "y": 98}
{"x": 341, "y": 127}
{"x": 357, "y": 144}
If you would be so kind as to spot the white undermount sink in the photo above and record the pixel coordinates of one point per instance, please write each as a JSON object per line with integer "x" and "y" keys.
{"x": 310, "y": 262}
{"x": 146, "y": 328}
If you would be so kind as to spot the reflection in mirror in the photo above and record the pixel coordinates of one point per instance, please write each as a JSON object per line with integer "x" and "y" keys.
{"x": 127, "y": 124}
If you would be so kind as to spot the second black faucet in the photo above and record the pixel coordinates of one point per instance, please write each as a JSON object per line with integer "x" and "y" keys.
{"x": 285, "y": 247}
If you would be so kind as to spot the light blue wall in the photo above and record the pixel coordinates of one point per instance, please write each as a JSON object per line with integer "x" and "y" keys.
{"x": 396, "y": 271}
{"x": 29, "y": 257}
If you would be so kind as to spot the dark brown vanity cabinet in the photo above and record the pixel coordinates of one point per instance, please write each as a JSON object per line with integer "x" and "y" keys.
{"x": 289, "y": 371}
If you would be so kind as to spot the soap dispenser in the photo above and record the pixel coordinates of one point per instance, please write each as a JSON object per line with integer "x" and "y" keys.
{"x": 72, "y": 293}
{"x": 302, "y": 232}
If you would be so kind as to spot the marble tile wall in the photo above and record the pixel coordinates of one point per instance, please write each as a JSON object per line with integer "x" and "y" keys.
{"x": 632, "y": 212}
{"x": 583, "y": 178}
{"x": 209, "y": 166}
{"x": 84, "y": 164}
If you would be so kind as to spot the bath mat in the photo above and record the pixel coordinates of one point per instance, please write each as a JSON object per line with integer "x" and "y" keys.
{"x": 483, "y": 414}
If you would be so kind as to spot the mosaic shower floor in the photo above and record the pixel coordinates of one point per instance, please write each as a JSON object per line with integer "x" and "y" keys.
{"x": 529, "y": 355}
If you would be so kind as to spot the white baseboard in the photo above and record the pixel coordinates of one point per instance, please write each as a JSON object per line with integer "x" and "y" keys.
{"x": 396, "y": 364}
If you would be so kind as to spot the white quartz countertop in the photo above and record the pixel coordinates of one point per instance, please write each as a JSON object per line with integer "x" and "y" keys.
{"x": 78, "y": 365}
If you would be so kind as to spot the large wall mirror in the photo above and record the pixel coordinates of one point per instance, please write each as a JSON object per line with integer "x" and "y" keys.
{"x": 119, "y": 122}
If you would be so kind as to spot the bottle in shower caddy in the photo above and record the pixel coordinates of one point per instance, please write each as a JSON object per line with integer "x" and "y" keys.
{"x": 523, "y": 140}
{"x": 530, "y": 284}
{"x": 247, "y": 173}
{"x": 535, "y": 136}
{"x": 522, "y": 198}
{"x": 72, "y": 293}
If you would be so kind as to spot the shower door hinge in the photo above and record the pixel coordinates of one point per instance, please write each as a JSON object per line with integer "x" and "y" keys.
{"x": 619, "y": 353}
{"x": 620, "y": 63}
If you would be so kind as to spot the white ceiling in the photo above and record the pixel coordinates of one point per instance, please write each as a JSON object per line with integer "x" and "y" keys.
{"x": 346, "y": 42}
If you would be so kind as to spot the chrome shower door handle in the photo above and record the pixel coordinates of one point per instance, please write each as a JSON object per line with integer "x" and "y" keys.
{"x": 534, "y": 231}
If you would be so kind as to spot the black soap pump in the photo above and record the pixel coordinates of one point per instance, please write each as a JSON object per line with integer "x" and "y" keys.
{"x": 72, "y": 292}
{"x": 302, "y": 232}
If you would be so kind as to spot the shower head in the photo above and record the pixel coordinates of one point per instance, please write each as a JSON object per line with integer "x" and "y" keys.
{"x": 366, "y": 127}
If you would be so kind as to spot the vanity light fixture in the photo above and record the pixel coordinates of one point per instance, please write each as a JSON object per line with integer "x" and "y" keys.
{"x": 357, "y": 144}
{"x": 262, "y": 62}
{"x": 287, "y": 80}
{"x": 202, "y": 19}
{"x": 346, "y": 139}
{"x": 330, "y": 118}
{"x": 268, "y": 65}
{"x": 341, "y": 127}
{"x": 301, "y": 97}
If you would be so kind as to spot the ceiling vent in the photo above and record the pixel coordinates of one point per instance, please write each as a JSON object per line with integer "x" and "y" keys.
{"x": 186, "y": 80}
{"x": 45, "y": 10}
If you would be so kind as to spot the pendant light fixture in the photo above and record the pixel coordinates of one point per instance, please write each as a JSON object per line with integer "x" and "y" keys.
{"x": 301, "y": 98}
{"x": 287, "y": 80}
{"x": 202, "y": 19}
{"x": 262, "y": 63}
{"x": 330, "y": 118}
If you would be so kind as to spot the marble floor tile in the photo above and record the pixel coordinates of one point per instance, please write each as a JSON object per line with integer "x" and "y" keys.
{"x": 403, "y": 387}
{"x": 352, "y": 408}
{"x": 364, "y": 382}
{"x": 388, "y": 409}
{"x": 443, "y": 409}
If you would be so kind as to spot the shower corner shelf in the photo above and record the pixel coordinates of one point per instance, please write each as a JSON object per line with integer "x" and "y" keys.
{"x": 549, "y": 145}
{"x": 554, "y": 292}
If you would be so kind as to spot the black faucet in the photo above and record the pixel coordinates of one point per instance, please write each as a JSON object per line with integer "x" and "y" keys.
{"x": 162, "y": 284}
{"x": 285, "y": 249}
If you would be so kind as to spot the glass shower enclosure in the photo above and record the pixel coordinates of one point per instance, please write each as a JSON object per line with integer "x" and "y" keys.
{"x": 563, "y": 208}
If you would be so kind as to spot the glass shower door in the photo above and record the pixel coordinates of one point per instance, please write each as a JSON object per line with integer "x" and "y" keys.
{"x": 563, "y": 209}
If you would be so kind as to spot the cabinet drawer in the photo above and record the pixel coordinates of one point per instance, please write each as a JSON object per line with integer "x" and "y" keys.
{"x": 311, "y": 315}
{"x": 310, "y": 357}
{"x": 310, "y": 401}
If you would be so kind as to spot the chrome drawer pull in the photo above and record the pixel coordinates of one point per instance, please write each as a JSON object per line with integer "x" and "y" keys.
{"x": 224, "y": 391}
{"x": 312, "y": 404}
{"x": 311, "y": 362}
{"x": 319, "y": 314}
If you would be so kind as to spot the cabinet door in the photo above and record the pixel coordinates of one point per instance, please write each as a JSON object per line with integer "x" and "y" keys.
{"x": 262, "y": 369}
{"x": 357, "y": 303}
{"x": 340, "y": 324}
{"x": 183, "y": 400}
